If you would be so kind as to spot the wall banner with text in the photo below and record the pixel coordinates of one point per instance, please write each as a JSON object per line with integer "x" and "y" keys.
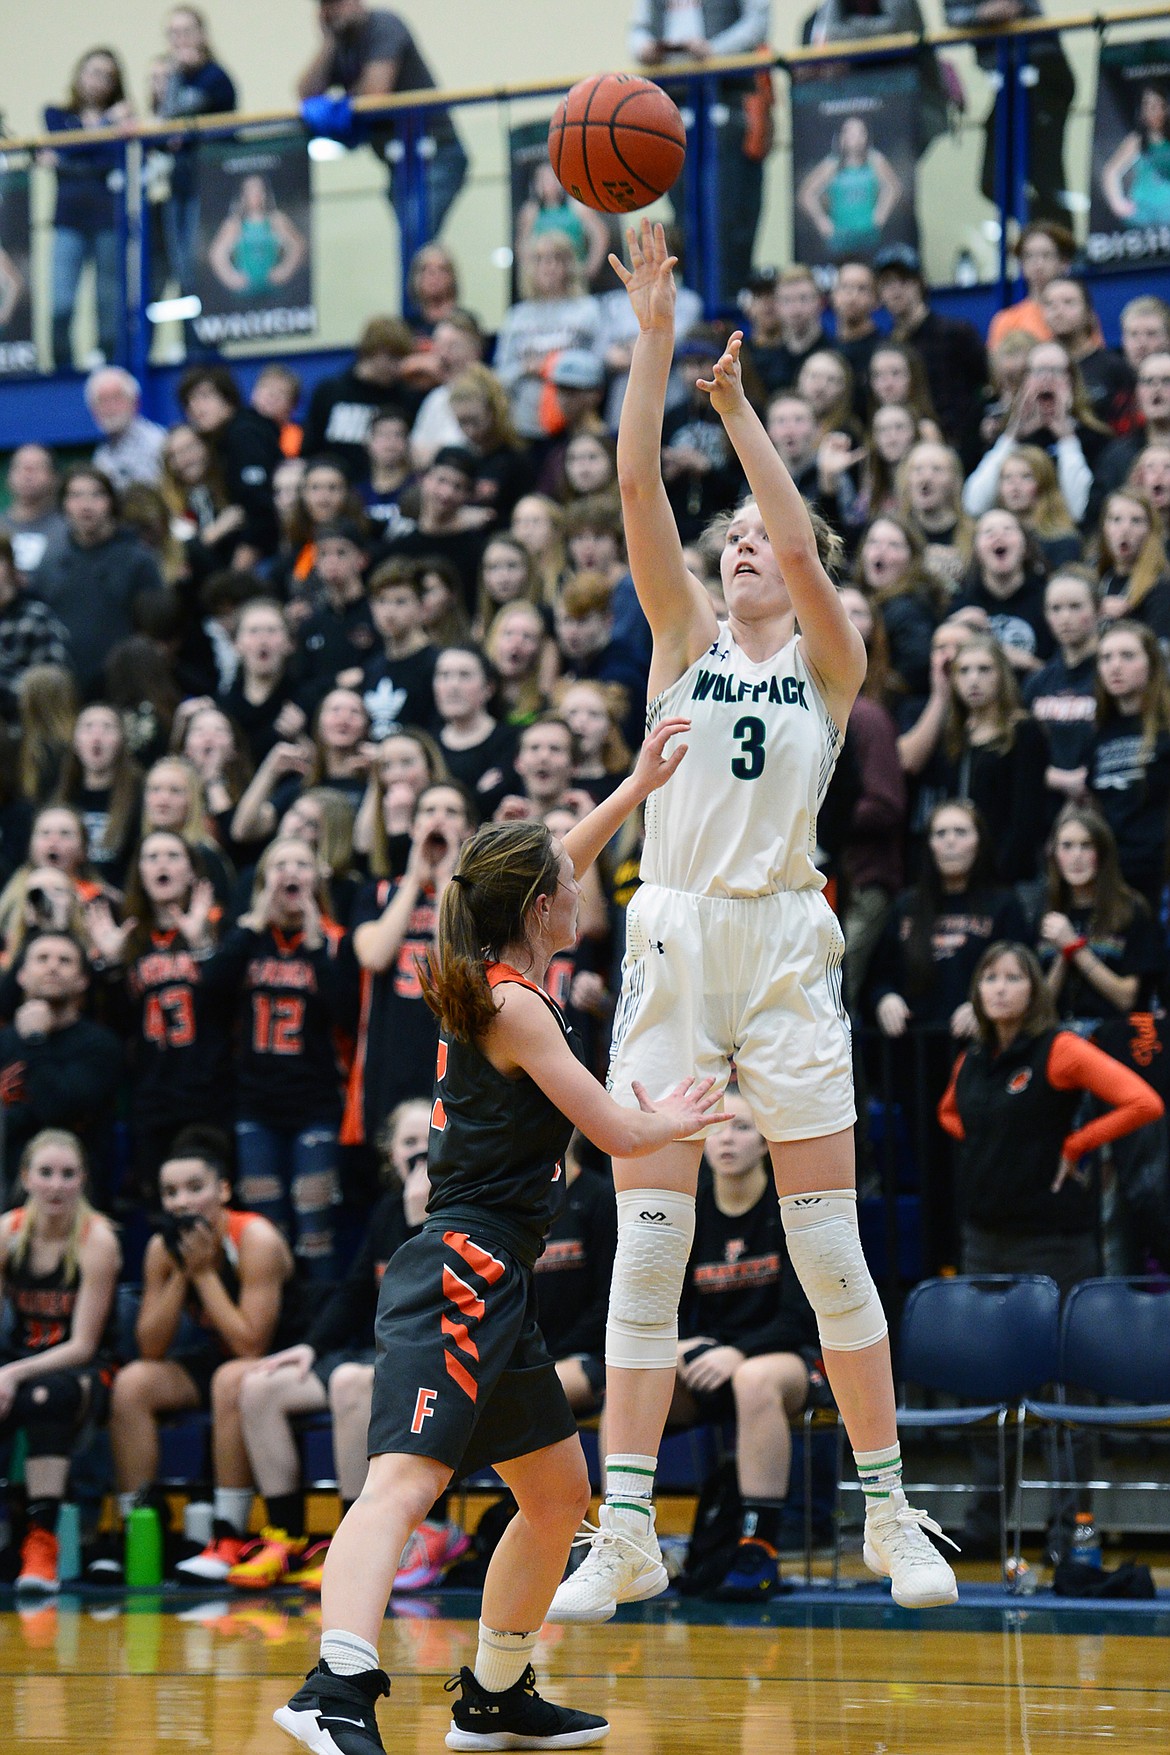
{"x": 254, "y": 268}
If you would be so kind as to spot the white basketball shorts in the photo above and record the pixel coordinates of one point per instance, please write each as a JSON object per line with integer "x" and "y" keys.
{"x": 711, "y": 980}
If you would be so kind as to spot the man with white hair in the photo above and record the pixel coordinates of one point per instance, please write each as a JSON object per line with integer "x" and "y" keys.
{"x": 132, "y": 450}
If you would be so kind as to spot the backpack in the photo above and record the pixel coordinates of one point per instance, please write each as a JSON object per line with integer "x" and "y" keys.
{"x": 715, "y": 1534}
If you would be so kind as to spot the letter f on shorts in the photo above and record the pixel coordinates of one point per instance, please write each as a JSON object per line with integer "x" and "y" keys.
{"x": 424, "y": 1408}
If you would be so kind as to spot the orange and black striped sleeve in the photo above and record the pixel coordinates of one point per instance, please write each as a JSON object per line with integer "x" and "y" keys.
{"x": 1077, "y": 1065}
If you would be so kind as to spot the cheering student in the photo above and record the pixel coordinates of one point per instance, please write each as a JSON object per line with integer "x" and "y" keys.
{"x": 463, "y": 1376}
{"x": 733, "y": 950}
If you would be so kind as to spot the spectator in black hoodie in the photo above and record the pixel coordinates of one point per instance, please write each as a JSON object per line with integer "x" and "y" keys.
{"x": 57, "y": 1068}
{"x": 342, "y": 409}
{"x": 247, "y": 448}
{"x": 92, "y": 574}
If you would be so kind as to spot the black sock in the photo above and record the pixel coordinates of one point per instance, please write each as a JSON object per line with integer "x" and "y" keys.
{"x": 42, "y": 1514}
{"x": 286, "y": 1511}
{"x": 761, "y": 1520}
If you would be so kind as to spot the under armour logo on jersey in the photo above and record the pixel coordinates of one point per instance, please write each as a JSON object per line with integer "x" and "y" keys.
{"x": 653, "y": 1218}
{"x": 659, "y": 946}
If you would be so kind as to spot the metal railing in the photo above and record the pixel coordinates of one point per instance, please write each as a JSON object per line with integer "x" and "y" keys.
{"x": 496, "y": 106}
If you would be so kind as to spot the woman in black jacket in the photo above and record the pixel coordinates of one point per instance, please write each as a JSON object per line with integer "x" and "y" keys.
{"x": 1027, "y": 1193}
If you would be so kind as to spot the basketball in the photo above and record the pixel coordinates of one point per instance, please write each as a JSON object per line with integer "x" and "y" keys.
{"x": 616, "y": 142}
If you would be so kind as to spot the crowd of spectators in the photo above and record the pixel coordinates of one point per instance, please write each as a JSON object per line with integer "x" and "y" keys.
{"x": 262, "y": 673}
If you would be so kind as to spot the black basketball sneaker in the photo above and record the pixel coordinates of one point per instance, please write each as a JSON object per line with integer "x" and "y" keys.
{"x": 336, "y": 1715}
{"x": 516, "y": 1719}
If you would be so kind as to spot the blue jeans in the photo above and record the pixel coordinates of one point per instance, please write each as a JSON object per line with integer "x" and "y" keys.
{"x": 445, "y": 176}
{"x": 181, "y": 228}
{"x": 292, "y": 1179}
{"x": 71, "y": 251}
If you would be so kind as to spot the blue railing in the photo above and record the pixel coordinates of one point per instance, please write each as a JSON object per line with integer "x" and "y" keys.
{"x": 50, "y": 404}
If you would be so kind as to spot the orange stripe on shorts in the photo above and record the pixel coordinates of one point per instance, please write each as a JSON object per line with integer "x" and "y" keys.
{"x": 460, "y": 1336}
{"x": 462, "y": 1296}
{"x": 461, "y": 1375}
{"x": 477, "y": 1259}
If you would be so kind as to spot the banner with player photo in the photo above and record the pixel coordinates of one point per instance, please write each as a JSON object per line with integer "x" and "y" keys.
{"x": 854, "y": 141}
{"x": 17, "y": 350}
{"x": 1129, "y": 210}
{"x": 539, "y": 204}
{"x": 254, "y": 260}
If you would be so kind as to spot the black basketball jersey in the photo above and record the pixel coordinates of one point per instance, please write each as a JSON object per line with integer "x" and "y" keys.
{"x": 496, "y": 1143}
{"x": 183, "y": 1053}
{"x": 41, "y": 1304}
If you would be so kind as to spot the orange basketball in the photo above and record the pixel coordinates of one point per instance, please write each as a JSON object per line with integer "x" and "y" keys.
{"x": 616, "y": 142}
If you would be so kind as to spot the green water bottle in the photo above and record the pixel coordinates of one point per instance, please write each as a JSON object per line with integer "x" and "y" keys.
{"x": 144, "y": 1546}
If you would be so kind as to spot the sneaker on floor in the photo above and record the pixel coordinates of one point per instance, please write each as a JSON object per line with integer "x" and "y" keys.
{"x": 38, "y": 1562}
{"x": 431, "y": 1551}
{"x": 336, "y": 1715}
{"x": 754, "y": 1573}
{"x": 308, "y": 1570}
{"x": 897, "y": 1547}
{"x": 619, "y": 1568}
{"x": 268, "y": 1562}
{"x": 213, "y": 1563}
{"x": 517, "y": 1719}
{"x": 106, "y": 1560}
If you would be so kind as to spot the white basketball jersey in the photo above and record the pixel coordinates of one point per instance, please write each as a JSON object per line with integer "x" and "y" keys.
{"x": 739, "y": 818}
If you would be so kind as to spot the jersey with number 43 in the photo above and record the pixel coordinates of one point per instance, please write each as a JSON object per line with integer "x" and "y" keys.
{"x": 739, "y": 817}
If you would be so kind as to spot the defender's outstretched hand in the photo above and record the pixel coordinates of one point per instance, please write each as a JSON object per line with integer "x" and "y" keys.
{"x": 652, "y": 769}
{"x": 649, "y": 280}
{"x": 691, "y": 1105}
{"x": 725, "y": 385}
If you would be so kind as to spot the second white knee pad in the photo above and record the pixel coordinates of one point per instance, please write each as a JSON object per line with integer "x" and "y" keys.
{"x": 656, "y": 1228}
{"x": 824, "y": 1246}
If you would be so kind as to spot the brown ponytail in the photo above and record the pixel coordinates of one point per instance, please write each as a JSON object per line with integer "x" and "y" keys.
{"x": 501, "y": 871}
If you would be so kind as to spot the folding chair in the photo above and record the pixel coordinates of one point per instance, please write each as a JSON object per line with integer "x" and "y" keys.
{"x": 989, "y": 1342}
{"x": 1115, "y": 1346}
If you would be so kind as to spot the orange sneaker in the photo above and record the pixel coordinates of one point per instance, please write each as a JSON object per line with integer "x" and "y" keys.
{"x": 267, "y": 1563}
{"x": 309, "y": 1569}
{"x": 38, "y": 1562}
{"x": 223, "y": 1551}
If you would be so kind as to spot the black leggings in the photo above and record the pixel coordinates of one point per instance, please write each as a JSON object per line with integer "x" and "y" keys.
{"x": 52, "y": 1409}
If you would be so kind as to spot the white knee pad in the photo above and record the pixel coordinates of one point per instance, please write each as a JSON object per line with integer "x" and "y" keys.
{"x": 656, "y": 1228}
{"x": 824, "y": 1246}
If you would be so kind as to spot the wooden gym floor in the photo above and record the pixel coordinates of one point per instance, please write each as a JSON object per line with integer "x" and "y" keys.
{"x": 156, "y": 1674}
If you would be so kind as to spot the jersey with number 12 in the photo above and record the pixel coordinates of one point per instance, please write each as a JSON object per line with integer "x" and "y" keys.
{"x": 739, "y": 817}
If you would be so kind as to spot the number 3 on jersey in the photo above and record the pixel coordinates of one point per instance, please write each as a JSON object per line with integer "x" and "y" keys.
{"x": 751, "y": 732}
{"x": 438, "y": 1113}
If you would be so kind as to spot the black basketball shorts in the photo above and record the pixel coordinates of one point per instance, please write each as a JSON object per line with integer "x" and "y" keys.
{"x": 462, "y": 1372}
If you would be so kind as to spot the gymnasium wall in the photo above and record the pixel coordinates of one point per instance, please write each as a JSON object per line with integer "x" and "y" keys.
{"x": 472, "y": 43}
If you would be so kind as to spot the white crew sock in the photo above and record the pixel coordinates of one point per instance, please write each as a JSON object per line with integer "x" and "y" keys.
{"x": 502, "y": 1658}
{"x": 346, "y": 1654}
{"x": 879, "y": 1472}
{"x": 128, "y": 1502}
{"x": 629, "y": 1491}
{"x": 233, "y": 1505}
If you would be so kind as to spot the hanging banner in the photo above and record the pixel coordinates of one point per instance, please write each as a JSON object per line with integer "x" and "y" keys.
{"x": 539, "y": 204}
{"x": 1129, "y": 211}
{"x": 17, "y": 350}
{"x": 854, "y": 141}
{"x": 254, "y": 268}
